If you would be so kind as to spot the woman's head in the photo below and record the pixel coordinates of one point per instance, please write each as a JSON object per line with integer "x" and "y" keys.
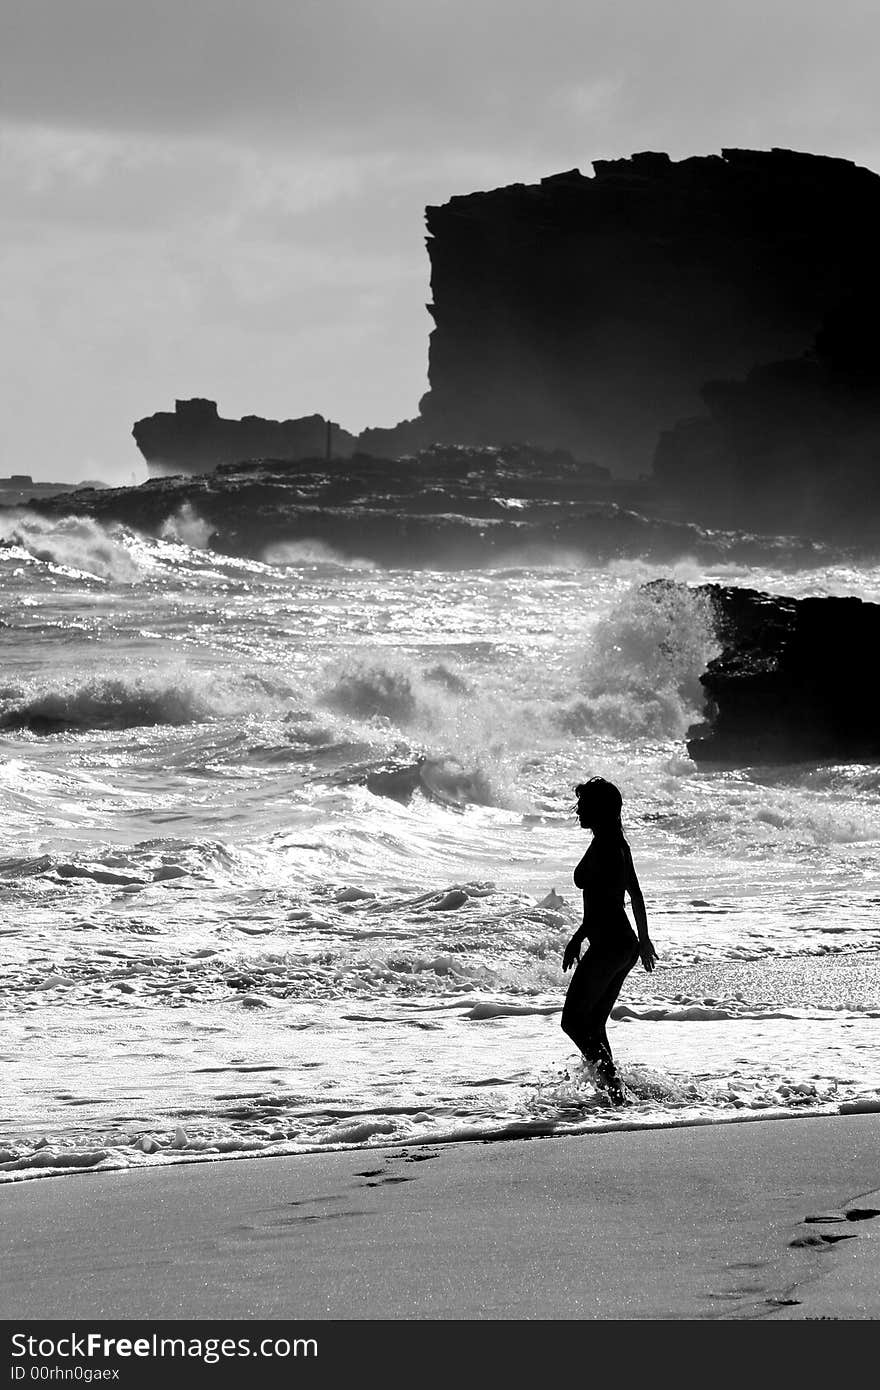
{"x": 599, "y": 804}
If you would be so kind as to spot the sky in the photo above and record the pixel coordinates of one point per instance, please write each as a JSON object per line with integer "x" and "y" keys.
{"x": 226, "y": 198}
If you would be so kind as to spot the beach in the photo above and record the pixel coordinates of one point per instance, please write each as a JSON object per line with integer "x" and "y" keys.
{"x": 759, "y": 1220}
{"x": 286, "y": 884}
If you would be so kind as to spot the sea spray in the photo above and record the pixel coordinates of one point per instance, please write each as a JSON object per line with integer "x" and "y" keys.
{"x": 313, "y": 554}
{"x": 187, "y": 527}
{"x": 641, "y": 674}
{"x": 464, "y": 746}
{"x": 76, "y": 544}
{"x": 366, "y": 690}
{"x": 174, "y": 696}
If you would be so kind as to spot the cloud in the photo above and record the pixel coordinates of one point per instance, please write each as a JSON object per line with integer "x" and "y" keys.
{"x": 133, "y": 271}
{"x": 404, "y": 74}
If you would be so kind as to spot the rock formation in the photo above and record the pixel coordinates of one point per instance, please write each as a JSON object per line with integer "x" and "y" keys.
{"x": 782, "y": 688}
{"x": 716, "y": 319}
{"x": 444, "y": 508}
{"x": 795, "y": 445}
{"x": 195, "y": 438}
{"x": 588, "y": 312}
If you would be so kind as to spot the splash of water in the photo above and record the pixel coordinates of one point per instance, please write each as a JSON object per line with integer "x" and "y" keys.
{"x": 641, "y": 676}
{"x": 311, "y": 553}
{"x": 187, "y": 527}
{"x": 138, "y": 700}
{"x": 74, "y": 543}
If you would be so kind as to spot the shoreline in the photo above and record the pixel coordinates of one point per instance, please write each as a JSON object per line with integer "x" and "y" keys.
{"x": 676, "y": 1221}
{"x": 119, "y": 1123}
{"x": 511, "y": 1133}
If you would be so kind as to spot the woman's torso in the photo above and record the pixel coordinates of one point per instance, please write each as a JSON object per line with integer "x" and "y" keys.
{"x": 603, "y": 874}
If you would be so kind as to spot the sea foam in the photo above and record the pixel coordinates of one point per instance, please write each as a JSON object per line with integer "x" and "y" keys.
{"x": 640, "y": 676}
{"x": 73, "y": 543}
{"x": 174, "y": 697}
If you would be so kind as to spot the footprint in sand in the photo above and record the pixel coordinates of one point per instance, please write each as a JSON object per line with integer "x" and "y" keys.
{"x": 833, "y": 1222}
{"x": 381, "y": 1177}
{"x": 821, "y": 1238}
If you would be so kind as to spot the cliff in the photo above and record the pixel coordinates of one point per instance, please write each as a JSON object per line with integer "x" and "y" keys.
{"x": 195, "y": 438}
{"x": 588, "y": 312}
{"x": 779, "y": 691}
{"x": 715, "y": 320}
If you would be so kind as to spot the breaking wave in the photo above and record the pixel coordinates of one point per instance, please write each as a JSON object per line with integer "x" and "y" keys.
{"x": 136, "y": 701}
{"x": 641, "y": 675}
{"x": 462, "y": 747}
{"x": 312, "y": 552}
{"x": 366, "y": 691}
{"x": 74, "y": 543}
{"x": 440, "y": 779}
{"x": 383, "y": 687}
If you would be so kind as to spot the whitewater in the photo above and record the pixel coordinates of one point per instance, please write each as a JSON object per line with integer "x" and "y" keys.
{"x": 288, "y": 843}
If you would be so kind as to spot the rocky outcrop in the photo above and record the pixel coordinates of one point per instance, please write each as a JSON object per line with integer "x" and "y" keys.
{"x": 444, "y": 508}
{"x": 588, "y": 312}
{"x": 195, "y": 438}
{"x": 796, "y": 444}
{"x": 783, "y": 689}
{"x": 715, "y": 320}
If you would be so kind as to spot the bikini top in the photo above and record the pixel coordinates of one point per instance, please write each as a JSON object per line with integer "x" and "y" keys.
{"x": 604, "y": 871}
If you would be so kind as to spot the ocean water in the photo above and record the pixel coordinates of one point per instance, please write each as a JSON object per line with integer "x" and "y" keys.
{"x": 287, "y": 853}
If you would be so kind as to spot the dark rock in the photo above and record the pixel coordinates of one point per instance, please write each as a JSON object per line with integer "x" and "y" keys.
{"x": 796, "y": 444}
{"x": 443, "y": 508}
{"x": 716, "y": 319}
{"x": 195, "y": 438}
{"x": 781, "y": 689}
{"x": 588, "y": 312}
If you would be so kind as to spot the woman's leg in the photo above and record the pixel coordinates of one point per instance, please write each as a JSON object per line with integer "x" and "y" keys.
{"x": 626, "y": 960}
{"x": 591, "y": 996}
{"x": 596, "y": 979}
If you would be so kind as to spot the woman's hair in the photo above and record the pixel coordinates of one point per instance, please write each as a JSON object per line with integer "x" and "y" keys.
{"x": 602, "y": 801}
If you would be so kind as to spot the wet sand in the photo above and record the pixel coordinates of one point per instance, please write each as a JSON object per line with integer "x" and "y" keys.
{"x": 705, "y": 1222}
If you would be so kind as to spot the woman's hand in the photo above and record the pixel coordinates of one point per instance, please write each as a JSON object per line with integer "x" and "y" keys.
{"x": 572, "y": 952}
{"x": 648, "y": 954}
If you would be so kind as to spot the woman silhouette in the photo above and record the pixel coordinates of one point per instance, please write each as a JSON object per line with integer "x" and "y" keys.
{"x": 605, "y": 873}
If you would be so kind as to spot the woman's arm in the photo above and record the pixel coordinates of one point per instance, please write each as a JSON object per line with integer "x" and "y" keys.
{"x": 633, "y": 887}
{"x": 573, "y": 950}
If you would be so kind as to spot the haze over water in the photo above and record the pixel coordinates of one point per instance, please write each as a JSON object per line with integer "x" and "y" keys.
{"x": 288, "y": 848}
